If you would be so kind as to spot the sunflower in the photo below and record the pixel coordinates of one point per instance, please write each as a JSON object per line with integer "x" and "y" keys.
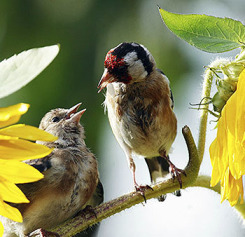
{"x": 227, "y": 151}
{"x": 15, "y": 146}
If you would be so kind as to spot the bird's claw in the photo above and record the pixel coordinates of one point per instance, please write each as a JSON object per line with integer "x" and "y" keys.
{"x": 141, "y": 190}
{"x": 176, "y": 173}
{"x": 87, "y": 210}
{"x": 90, "y": 209}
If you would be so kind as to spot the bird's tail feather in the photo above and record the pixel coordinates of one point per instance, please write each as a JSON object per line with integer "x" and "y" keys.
{"x": 159, "y": 168}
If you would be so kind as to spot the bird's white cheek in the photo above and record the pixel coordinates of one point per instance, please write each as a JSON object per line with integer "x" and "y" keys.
{"x": 137, "y": 71}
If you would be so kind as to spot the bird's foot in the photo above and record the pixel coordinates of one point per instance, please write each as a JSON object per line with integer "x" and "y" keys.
{"x": 177, "y": 193}
{"x": 176, "y": 173}
{"x": 89, "y": 210}
{"x": 162, "y": 198}
{"x": 141, "y": 189}
{"x": 43, "y": 233}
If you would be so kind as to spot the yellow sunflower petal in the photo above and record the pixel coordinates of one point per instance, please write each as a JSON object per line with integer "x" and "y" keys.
{"x": 18, "y": 172}
{"x": 22, "y": 150}
{"x": 10, "y": 212}
{"x": 231, "y": 189}
{"x": 2, "y": 137}
{"x": 236, "y": 113}
{"x": 235, "y": 190}
{"x": 11, "y": 120}
{"x": 214, "y": 155}
{"x": 27, "y": 132}
{"x": 223, "y": 143}
{"x": 224, "y": 186}
{"x": 1, "y": 229}
{"x": 222, "y": 157}
{"x": 240, "y": 107}
{"x": 11, "y": 114}
{"x": 229, "y": 112}
{"x": 240, "y": 90}
{"x": 9, "y": 192}
{"x": 227, "y": 152}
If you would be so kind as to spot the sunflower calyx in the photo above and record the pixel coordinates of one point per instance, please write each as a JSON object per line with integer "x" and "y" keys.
{"x": 226, "y": 72}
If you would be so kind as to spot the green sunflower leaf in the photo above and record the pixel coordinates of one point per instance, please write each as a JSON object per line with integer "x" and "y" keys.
{"x": 207, "y": 33}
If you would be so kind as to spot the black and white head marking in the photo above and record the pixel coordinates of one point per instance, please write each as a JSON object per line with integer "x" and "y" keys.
{"x": 138, "y": 59}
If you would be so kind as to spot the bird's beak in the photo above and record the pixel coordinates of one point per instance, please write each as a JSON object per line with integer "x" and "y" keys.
{"x": 73, "y": 115}
{"x": 105, "y": 80}
{"x": 77, "y": 116}
{"x": 72, "y": 110}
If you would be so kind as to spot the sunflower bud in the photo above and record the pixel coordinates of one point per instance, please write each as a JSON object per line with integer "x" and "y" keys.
{"x": 227, "y": 73}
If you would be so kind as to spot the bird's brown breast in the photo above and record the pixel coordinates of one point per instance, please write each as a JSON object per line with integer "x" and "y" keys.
{"x": 144, "y": 102}
{"x": 141, "y": 115}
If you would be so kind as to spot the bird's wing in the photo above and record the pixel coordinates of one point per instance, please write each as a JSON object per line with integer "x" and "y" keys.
{"x": 171, "y": 94}
{"x": 98, "y": 196}
{"x": 159, "y": 168}
{"x": 30, "y": 189}
{"x": 42, "y": 164}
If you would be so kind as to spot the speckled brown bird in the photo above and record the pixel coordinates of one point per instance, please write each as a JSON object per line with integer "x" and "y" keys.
{"x": 140, "y": 109}
{"x": 70, "y": 177}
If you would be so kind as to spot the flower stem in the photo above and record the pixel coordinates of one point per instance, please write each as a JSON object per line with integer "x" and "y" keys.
{"x": 204, "y": 182}
{"x": 84, "y": 220}
{"x": 207, "y": 84}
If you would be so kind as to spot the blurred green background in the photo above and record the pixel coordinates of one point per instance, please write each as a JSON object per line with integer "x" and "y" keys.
{"x": 86, "y": 30}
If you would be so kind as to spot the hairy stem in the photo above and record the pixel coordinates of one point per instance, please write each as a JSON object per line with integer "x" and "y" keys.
{"x": 204, "y": 181}
{"x": 208, "y": 78}
{"x": 84, "y": 220}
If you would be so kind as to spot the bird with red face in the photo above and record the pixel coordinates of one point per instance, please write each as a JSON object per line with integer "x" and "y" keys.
{"x": 140, "y": 109}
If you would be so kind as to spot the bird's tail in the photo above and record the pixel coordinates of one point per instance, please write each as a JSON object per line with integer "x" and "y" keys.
{"x": 159, "y": 168}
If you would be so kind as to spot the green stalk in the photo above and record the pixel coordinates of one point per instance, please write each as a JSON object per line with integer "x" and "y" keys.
{"x": 204, "y": 182}
{"x": 84, "y": 220}
{"x": 207, "y": 84}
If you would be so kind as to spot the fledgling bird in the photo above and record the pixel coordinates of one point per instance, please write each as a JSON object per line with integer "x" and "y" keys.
{"x": 70, "y": 177}
{"x": 140, "y": 109}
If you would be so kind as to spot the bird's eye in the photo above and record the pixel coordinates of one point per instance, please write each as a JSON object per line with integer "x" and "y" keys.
{"x": 55, "y": 119}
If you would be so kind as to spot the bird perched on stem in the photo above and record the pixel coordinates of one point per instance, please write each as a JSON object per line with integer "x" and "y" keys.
{"x": 70, "y": 177}
{"x": 140, "y": 109}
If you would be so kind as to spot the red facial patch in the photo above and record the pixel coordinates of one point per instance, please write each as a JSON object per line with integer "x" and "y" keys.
{"x": 117, "y": 67}
{"x": 111, "y": 61}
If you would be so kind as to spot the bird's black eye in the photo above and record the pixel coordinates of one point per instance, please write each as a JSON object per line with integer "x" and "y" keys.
{"x": 55, "y": 119}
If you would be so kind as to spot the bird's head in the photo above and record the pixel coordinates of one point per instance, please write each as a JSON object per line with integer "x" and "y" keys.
{"x": 65, "y": 124}
{"x": 127, "y": 63}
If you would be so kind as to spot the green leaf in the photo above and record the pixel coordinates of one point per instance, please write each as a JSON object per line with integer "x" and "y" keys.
{"x": 17, "y": 71}
{"x": 208, "y": 33}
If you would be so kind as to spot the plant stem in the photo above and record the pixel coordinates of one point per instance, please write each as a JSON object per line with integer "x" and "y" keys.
{"x": 204, "y": 181}
{"x": 84, "y": 220}
{"x": 207, "y": 84}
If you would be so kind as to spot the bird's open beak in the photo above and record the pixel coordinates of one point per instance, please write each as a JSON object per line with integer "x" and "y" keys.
{"x": 105, "y": 80}
{"x": 73, "y": 115}
{"x": 77, "y": 116}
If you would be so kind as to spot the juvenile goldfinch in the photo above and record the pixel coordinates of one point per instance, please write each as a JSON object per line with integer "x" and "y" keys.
{"x": 140, "y": 109}
{"x": 70, "y": 177}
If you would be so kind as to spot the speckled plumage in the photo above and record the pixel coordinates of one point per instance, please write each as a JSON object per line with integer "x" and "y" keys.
{"x": 141, "y": 113}
{"x": 140, "y": 109}
{"x": 70, "y": 177}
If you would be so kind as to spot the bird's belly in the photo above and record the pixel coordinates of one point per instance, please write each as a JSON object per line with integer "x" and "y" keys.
{"x": 53, "y": 207}
{"x": 146, "y": 144}
{"x": 149, "y": 144}
{"x": 47, "y": 212}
